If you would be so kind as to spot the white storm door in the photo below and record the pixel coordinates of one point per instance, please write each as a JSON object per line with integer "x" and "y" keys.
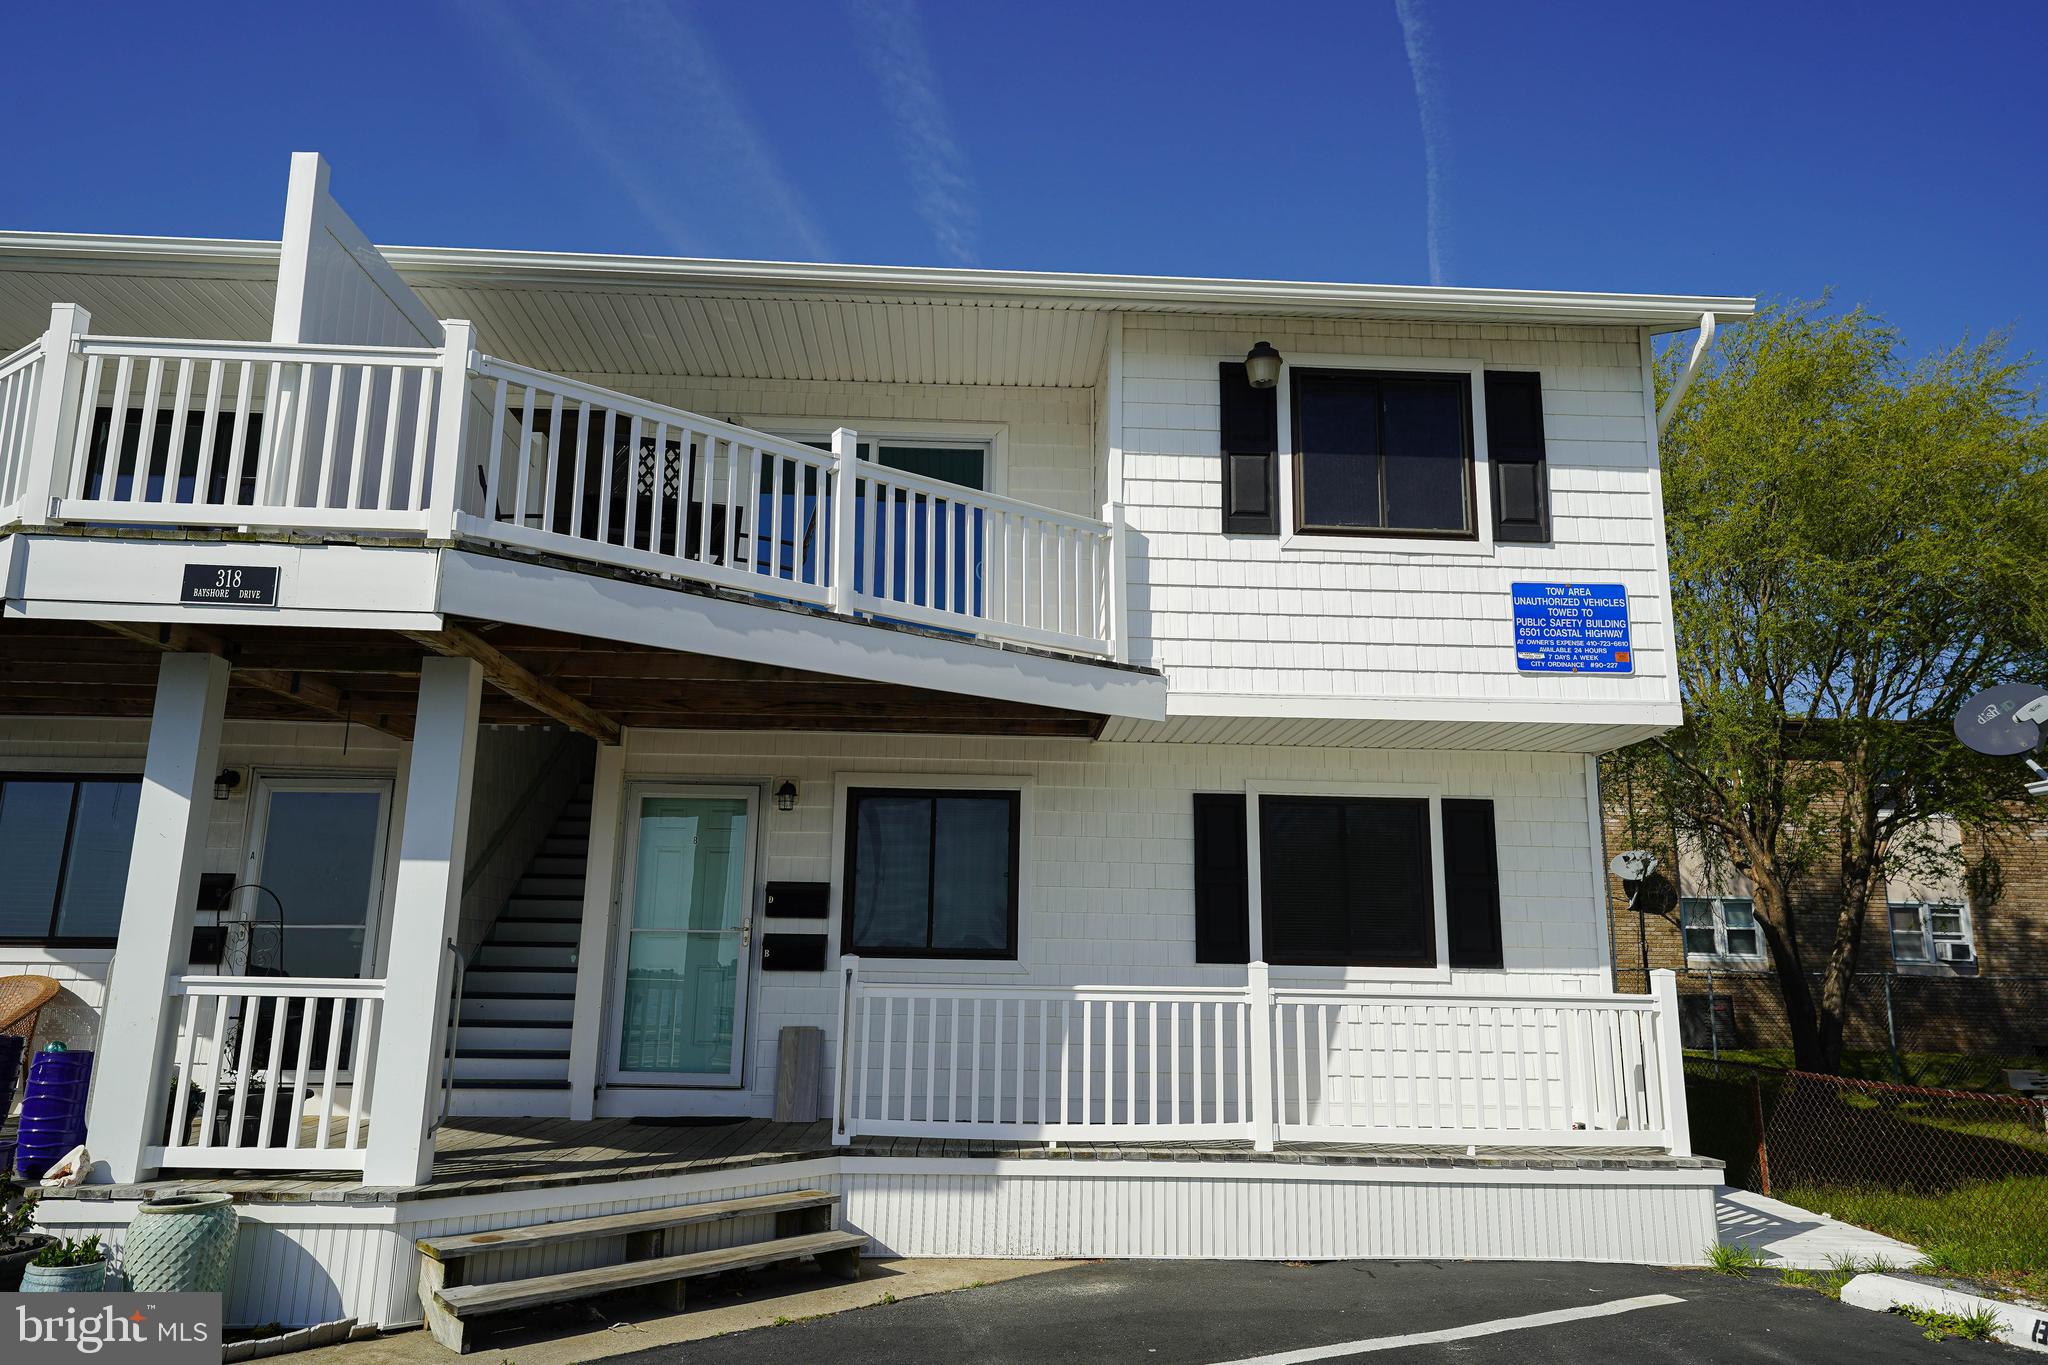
{"x": 686, "y": 929}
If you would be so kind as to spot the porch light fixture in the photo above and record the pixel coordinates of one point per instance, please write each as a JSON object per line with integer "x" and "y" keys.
{"x": 224, "y": 785}
{"x": 1262, "y": 365}
{"x": 785, "y": 795}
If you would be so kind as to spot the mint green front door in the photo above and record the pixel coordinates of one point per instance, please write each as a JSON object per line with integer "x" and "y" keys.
{"x": 681, "y": 971}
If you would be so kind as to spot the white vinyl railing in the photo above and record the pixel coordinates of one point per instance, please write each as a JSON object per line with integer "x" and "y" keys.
{"x": 20, "y": 374}
{"x": 1362, "y": 1064}
{"x": 270, "y": 1072}
{"x": 1450, "y": 1069}
{"x": 449, "y": 443}
{"x": 196, "y": 433}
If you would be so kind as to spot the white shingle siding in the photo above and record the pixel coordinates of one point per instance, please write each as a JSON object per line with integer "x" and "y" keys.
{"x": 1242, "y": 615}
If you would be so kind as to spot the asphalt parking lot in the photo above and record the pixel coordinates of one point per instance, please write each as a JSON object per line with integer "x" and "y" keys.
{"x": 1208, "y": 1313}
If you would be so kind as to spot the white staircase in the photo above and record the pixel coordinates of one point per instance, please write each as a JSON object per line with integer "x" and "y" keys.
{"x": 519, "y": 990}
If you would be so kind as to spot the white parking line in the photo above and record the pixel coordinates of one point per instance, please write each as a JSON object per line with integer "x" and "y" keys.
{"x": 1476, "y": 1329}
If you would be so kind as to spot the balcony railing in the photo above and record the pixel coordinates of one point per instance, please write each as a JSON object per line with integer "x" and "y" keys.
{"x": 270, "y": 1073}
{"x": 452, "y": 445}
{"x": 1363, "y": 1064}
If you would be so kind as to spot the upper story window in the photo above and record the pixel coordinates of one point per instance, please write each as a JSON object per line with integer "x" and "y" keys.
{"x": 931, "y": 873}
{"x": 1380, "y": 453}
{"x": 64, "y": 844}
{"x": 1931, "y": 932}
{"x": 1720, "y": 926}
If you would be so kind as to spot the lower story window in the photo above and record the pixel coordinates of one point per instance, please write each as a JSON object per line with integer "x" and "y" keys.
{"x": 1930, "y": 932}
{"x": 931, "y": 873}
{"x": 64, "y": 844}
{"x": 1345, "y": 881}
{"x": 1720, "y": 926}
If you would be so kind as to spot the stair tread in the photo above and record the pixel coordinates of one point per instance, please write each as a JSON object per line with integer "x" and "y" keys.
{"x": 511, "y": 1054}
{"x": 619, "y": 1224}
{"x": 468, "y": 995}
{"x": 576, "y": 1284}
{"x": 508, "y": 1083}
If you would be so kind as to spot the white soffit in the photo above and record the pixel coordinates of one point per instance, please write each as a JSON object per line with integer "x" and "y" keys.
{"x": 626, "y": 315}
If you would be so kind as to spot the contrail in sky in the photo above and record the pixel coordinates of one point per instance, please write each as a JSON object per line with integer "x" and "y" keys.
{"x": 892, "y": 44}
{"x": 1435, "y": 150}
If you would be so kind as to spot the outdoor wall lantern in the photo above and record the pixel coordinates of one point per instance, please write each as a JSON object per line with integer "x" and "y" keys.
{"x": 1262, "y": 365}
{"x": 785, "y": 795}
{"x": 224, "y": 785}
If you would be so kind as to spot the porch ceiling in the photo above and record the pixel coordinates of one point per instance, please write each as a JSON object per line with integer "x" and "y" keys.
{"x": 76, "y": 668}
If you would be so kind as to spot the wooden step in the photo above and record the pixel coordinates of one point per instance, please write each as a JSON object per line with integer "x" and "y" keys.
{"x": 621, "y": 1224}
{"x": 447, "y": 1306}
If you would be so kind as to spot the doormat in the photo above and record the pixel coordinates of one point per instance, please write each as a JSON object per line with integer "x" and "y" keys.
{"x": 689, "y": 1120}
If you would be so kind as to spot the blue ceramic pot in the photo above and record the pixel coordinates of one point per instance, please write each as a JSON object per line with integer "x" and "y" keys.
{"x": 64, "y": 1279}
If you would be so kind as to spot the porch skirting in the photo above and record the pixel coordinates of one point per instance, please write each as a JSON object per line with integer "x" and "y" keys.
{"x": 300, "y": 1262}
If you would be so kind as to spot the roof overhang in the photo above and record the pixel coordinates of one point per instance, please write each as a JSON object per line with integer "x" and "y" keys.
{"x": 456, "y": 266}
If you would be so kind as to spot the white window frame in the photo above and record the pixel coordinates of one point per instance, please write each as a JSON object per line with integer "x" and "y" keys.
{"x": 1292, "y": 538}
{"x": 1928, "y": 939}
{"x": 1721, "y": 951}
{"x": 992, "y": 436}
{"x": 946, "y": 968}
{"x": 1431, "y": 792}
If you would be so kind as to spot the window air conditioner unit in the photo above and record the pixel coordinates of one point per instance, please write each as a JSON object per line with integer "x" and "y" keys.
{"x": 1953, "y": 952}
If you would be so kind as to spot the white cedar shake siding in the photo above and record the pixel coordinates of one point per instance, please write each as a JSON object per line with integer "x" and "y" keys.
{"x": 1244, "y": 615}
{"x": 1109, "y": 857}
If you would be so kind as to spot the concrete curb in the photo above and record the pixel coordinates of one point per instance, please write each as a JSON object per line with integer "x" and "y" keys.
{"x": 304, "y": 1339}
{"x": 2022, "y": 1325}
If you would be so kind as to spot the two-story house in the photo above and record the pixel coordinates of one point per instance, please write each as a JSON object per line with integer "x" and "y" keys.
{"x": 508, "y": 739}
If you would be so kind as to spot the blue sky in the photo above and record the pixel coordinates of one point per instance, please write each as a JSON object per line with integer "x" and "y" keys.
{"x": 1887, "y": 151}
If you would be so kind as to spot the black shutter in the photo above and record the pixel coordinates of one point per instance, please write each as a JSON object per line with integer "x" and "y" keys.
{"x": 1250, "y": 433}
{"x": 1472, "y": 883}
{"x": 1223, "y": 931}
{"x": 1514, "y": 447}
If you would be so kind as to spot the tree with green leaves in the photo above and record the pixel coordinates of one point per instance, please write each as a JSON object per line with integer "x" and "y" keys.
{"x": 1859, "y": 543}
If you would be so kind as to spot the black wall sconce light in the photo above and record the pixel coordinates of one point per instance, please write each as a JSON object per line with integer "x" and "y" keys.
{"x": 1262, "y": 365}
{"x": 225, "y": 784}
{"x": 785, "y": 795}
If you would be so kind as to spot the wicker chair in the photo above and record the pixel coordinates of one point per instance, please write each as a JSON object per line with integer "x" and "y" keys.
{"x": 21, "y": 999}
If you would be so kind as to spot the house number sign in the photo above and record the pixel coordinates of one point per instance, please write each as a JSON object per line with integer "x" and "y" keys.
{"x": 231, "y": 585}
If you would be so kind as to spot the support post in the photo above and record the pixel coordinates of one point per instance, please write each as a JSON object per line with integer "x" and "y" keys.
{"x": 842, "y": 1083}
{"x": 1664, "y": 986}
{"x": 1119, "y": 585}
{"x": 1264, "y": 1118}
{"x": 425, "y": 910}
{"x": 593, "y": 951}
{"x": 47, "y": 475}
{"x": 131, "y": 1071}
{"x": 845, "y": 474}
{"x": 451, "y": 429}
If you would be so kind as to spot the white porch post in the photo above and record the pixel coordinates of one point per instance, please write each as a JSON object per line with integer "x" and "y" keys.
{"x": 130, "y": 1080}
{"x": 1264, "y": 1118}
{"x": 451, "y": 430}
{"x": 845, "y": 475}
{"x": 432, "y": 849}
{"x": 593, "y": 948}
{"x": 1664, "y": 987}
{"x": 55, "y": 430}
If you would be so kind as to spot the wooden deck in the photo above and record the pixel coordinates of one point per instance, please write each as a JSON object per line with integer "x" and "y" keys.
{"x": 479, "y": 1155}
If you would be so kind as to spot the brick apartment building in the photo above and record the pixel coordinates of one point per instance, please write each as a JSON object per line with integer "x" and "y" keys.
{"x": 1951, "y": 964}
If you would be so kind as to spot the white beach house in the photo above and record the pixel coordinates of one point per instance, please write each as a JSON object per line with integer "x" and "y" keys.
{"x": 694, "y": 731}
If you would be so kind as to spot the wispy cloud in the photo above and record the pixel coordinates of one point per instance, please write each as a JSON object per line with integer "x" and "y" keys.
{"x": 892, "y": 44}
{"x": 673, "y": 128}
{"x": 1415, "y": 36}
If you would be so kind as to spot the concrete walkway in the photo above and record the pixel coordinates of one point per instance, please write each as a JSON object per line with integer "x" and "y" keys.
{"x": 1797, "y": 1238}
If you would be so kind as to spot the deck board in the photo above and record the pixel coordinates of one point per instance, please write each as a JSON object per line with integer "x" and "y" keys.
{"x": 489, "y": 1154}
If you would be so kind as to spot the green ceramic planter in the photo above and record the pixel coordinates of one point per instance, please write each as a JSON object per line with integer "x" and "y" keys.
{"x": 64, "y": 1279}
{"x": 181, "y": 1243}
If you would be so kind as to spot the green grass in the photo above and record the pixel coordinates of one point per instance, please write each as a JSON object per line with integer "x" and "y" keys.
{"x": 1738, "y": 1261}
{"x": 1994, "y": 1230}
{"x": 1976, "y": 1325}
{"x": 1841, "y": 1270}
{"x": 1941, "y": 1070}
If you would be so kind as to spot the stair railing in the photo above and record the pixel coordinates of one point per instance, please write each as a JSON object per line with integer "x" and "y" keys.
{"x": 454, "y": 1033}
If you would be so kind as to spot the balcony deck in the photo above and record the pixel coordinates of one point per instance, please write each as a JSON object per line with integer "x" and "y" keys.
{"x": 474, "y": 1155}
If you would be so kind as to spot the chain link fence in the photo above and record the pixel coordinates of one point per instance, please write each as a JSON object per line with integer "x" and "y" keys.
{"x": 1944, "y": 1032}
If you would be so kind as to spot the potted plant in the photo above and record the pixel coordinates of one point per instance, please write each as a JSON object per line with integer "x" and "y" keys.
{"x": 67, "y": 1266}
{"x": 19, "y": 1242}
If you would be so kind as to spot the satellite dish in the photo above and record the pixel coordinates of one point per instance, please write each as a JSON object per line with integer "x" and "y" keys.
{"x": 2003, "y": 720}
{"x": 1633, "y": 866}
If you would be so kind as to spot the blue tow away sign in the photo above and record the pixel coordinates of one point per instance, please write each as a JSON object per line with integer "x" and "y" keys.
{"x": 1572, "y": 628}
